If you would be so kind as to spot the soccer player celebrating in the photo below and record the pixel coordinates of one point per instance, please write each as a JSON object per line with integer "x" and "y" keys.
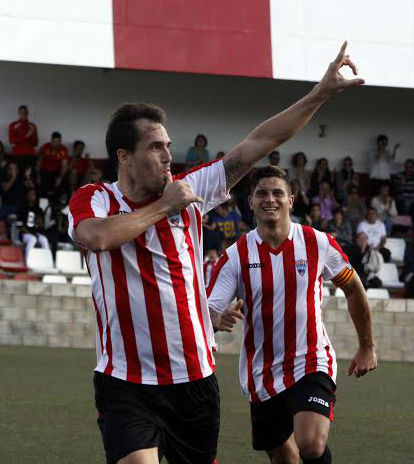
{"x": 287, "y": 363}
{"x": 155, "y": 388}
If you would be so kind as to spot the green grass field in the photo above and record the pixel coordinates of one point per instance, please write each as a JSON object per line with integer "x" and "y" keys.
{"x": 47, "y": 414}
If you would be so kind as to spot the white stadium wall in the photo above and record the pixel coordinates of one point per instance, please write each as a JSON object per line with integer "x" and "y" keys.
{"x": 283, "y": 39}
{"x": 78, "y": 101}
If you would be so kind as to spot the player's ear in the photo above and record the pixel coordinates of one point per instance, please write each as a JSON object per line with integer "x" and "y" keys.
{"x": 123, "y": 156}
{"x": 249, "y": 199}
{"x": 291, "y": 201}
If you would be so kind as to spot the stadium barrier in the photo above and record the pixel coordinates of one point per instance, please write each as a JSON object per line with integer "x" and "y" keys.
{"x": 62, "y": 315}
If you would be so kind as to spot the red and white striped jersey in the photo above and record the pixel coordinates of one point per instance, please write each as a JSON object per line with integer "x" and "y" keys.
{"x": 153, "y": 324}
{"x": 208, "y": 268}
{"x": 284, "y": 336}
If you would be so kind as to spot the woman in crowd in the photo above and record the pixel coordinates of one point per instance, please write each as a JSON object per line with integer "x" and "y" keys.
{"x": 301, "y": 203}
{"x": 321, "y": 173}
{"x": 380, "y": 172}
{"x": 326, "y": 200}
{"x": 299, "y": 171}
{"x": 345, "y": 179}
{"x": 385, "y": 206}
{"x": 354, "y": 208}
{"x": 198, "y": 153}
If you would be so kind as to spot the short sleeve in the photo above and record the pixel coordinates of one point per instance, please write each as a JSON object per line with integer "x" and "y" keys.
{"x": 90, "y": 201}
{"x": 208, "y": 181}
{"x": 337, "y": 267}
{"x": 223, "y": 284}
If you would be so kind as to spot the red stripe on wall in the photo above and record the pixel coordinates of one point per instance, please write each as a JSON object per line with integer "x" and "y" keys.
{"x": 312, "y": 255}
{"x": 215, "y": 37}
{"x": 248, "y": 312}
{"x": 289, "y": 269}
{"x": 175, "y": 267}
{"x": 267, "y": 318}
{"x": 154, "y": 312}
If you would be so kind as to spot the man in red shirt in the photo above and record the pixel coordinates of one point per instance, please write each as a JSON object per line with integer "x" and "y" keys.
{"x": 79, "y": 165}
{"x": 155, "y": 388}
{"x": 52, "y": 164}
{"x": 23, "y": 138}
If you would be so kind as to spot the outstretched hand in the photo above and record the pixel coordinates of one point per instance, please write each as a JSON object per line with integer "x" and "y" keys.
{"x": 227, "y": 319}
{"x": 365, "y": 360}
{"x": 333, "y": 81}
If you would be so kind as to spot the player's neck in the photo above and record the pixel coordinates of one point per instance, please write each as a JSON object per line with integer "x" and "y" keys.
{"x": 133, "y": 190}
{"x": 274, "y": 233}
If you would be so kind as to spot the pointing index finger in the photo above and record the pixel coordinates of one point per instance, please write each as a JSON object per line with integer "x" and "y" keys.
{"x": 341, "y": 53}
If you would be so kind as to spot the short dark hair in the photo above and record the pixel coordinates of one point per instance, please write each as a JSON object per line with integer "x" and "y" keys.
{"x": 56, "y": 135}
{"x": 23, "y": 107}
{"x": 76, "y": 143}
{"x": 271, "y": 154}
{"x": 382, "y": 137}
{"x": 296, "y": 156}
{"x": 122, "y": 131}
{"x": 268, "y": 171}
{"x": 201, "y": 136}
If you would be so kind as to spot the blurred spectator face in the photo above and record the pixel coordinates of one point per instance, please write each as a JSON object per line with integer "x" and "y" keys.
{"x": 12, "y": 170}
{"x": 222, "y": 210}
{"x": 56, "y": 142}
{"x": 31, "y": 197}
{"x": 324, "y": 189}
{"x": 372, "y": 216}
{"x": 348, "y": 164}
{"x": 338, "y": 216}
{"x": 23, "y": 112}
{"x": 295, "y": 186}
{"x": 409, "y": 168}
{"x": 212, "y": 254}
{"x": 274, "y": 158}
{"x": 361, "y": 240}
{"x": 78, "y": 149}
{"x": 384, "y": 191}
{"x": 95, "y": 176}
{"x": 315, "y": 213}
{"x": 382, "y": 142}
{"x": 220, "y": 154}
{"x": 200, "y": 141}
{"x": 353, "y": 193}
{"x": 300, "y": 160}
{"x": 322, "y": 164}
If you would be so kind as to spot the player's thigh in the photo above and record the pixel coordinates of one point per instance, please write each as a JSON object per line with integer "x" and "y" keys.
{"x": 145, "y": 456}
{"x": 287, "y": 453}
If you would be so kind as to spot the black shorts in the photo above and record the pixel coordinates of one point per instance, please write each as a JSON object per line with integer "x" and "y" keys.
{"x": 182, "y": 420}
{"x": 272, "y": 420}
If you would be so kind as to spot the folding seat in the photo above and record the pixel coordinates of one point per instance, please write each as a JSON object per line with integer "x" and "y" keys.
{"x": 339, "y": 293}
{"x": 380, "y": 293}
{"x": 325, "y": 291}
{"x": 54, "y": 279}
{"x": 388, "y": 274}
{"x": 12, "y": 259}
{"x": 397, "y": 249}
{"x": 40, "y": 260}
{"x": 81, "y": 280}
{"x": 69, "y": 262}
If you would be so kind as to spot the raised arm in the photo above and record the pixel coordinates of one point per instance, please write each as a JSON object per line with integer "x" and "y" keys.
{"x": 281, "y": 127}
{"x": 365, "y": 359}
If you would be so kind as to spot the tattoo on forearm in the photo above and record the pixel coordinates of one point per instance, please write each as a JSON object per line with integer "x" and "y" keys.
{"x": 234, "y": 170}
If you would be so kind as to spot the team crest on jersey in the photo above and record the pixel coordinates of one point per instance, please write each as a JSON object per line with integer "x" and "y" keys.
{"x": 301, "y": 266}
{"x": 174, "y": 219}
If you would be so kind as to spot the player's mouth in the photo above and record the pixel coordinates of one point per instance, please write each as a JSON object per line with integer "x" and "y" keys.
{"x": 270, "y": 209}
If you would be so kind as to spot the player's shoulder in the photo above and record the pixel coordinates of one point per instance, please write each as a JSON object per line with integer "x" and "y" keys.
{"x": 197, "y": 170}
{"x": 310, "y": 234}
{"x": 88, "y": 191}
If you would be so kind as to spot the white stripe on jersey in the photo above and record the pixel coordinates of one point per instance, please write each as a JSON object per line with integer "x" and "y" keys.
{"x": 297, "y": 343}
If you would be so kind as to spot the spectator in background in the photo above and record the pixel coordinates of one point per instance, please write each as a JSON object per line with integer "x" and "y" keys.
{"x": 197, "y": 154}
{"x": 381, "y": 159}
{"x": 211, "y": 234}
{"x": 320, "y": 174}
{"x": 78, "y": 166}
{"x": 359, "y": 256}
{"x": 374, "y": 229}
{"x": 299, "y": 172}
{"x": 345, "y": 179}
{"x": 301, "y": 204}
{"x": 23, "y": 138}
{"x": 385, "y": 206}
{"x": 93, "y": 176}
{"x": 229, "y": 224}
{"x": 52, "y": 164}
{"x": 341, "y": 229}
{"x": 220, "y": 154}
{"x": 326, "y": 201}
{"x": 354, "y": 208}
{"x": 12, "y": 191}
{"x": 3, "y": 158}
{"x": 209, "y": 264}
{"x": 315, "y": 219}
{"x": 32, "y": 229}
{"x": 274, "y": 158}
{"x": 403, "y": 187}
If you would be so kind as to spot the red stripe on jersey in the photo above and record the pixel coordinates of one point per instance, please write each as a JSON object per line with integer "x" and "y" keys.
{"x": 190, "y": 245}
{"x": 99, "y": 322}
{"x": 109, "y": 367}
{"x": 154, "y": 312}
{"x": 175, "y": 267}
{"x": 199, "y": 221}
{"x": 267, "y": 317}
{"x": 216, "y": 271}
{"x": 313, "y": 256}
{"x": 335, "y": 244}
{"x": 249, "y": 337}
{"x": 196, "y": 168}
{"x": 289, "y": 334}
{"x": 123, "y": 309}
{"x": 80, "y": 203}
{"x": 329, "y": 356}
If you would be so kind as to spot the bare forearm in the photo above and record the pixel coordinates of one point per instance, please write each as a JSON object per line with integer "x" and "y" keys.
{"x": 360, "y": 312}
{"x": 270, "y": 134}
{"x": 100, "y": 234}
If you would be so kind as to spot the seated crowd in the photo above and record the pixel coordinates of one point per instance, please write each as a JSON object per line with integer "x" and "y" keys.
{"x": 36, "y": 185}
